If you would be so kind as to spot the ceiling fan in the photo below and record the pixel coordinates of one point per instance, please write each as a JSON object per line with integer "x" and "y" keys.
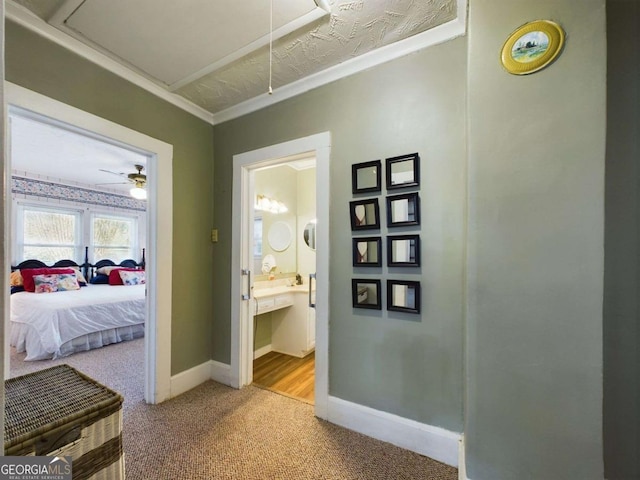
{"x": 138, "y": 179}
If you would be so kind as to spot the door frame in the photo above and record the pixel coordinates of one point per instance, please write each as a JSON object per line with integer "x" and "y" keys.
{"x": 157, "y": 342}
{"x": 318, "y": 145}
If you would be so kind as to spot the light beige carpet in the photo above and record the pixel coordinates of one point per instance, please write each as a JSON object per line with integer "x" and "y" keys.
{"x": 216, "y": 432}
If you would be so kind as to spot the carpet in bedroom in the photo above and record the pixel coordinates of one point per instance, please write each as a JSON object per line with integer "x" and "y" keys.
{"x": 217, "y": 432}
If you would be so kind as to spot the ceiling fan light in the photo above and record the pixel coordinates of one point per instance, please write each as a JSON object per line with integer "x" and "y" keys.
{"x": 138, "y": 193}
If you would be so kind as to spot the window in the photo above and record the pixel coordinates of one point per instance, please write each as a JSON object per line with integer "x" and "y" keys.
{"x": 257, "y": 244}
{"x": 49, "y": 234}
{"x": 257, "y": 238}
{"x": 113, "y": 237}
{"x": 55, "y": 233}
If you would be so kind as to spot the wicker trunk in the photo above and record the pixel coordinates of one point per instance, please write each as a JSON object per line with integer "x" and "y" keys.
{"x": 62, "y": 412}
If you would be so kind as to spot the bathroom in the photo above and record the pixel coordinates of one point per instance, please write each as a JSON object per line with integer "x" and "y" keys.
{"x": 284, "y": 262}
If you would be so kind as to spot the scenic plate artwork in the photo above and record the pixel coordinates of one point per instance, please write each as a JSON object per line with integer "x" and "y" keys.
{"x": 530, "y": 46}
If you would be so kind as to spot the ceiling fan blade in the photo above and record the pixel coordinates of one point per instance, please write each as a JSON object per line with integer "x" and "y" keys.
{"x": 121, "y": 174}
{"x": 113, "y": 183}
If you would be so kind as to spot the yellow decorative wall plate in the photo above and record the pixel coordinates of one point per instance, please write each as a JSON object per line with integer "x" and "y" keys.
{"x": 532, "y": 47}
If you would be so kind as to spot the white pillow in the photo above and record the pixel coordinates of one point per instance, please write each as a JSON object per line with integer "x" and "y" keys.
{"x": 132, "y": 278}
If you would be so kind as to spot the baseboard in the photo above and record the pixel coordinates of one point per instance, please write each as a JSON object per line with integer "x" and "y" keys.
{"x": 220, "y": 372}
{"x": 262, "y": 351}
{"x": 462, "y": 463}
{"x": 191, "y": 378}
{"x": 211, "y": 370}
{"x": 433, "y": 442}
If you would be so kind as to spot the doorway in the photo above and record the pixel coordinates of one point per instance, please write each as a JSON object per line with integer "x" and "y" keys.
{"x": 159, "y": 174}
{"x": 62, "y": 212}
{"x": 284, "y": 265}
{"x": 244, "y": 302}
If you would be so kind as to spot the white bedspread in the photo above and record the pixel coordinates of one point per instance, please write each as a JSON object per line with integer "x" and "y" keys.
{"x": 45, "y": 321}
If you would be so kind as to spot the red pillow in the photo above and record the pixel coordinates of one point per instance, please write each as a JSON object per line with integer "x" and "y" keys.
{"x": 114, "y": 276}
{"x": 29, "y": 273}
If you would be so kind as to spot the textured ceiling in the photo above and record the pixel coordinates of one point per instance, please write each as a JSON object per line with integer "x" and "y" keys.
{"x": 353, "y": 28}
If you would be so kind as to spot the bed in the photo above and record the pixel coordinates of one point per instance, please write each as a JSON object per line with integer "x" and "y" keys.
{"x": 60, "y": 323}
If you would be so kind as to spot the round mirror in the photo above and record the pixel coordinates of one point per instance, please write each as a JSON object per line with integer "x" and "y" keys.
{"x": 309, "y": 235}
{"x": 279, "y": 236}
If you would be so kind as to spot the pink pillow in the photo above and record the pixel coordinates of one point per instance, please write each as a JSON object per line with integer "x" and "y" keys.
{"x": 45, "y": 283}
{"x": 114, "y": 275}
{"x": 29, "y": 273}
{"x": 57, "y": 282}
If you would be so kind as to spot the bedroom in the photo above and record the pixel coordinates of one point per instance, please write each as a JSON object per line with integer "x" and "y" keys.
{"x": 71, "y": 203}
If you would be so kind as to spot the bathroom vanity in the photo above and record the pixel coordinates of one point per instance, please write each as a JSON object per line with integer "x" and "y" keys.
{"x": 293, "y": 322}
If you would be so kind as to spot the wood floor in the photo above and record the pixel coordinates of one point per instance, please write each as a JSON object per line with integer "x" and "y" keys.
{"x": 287, "y": 375}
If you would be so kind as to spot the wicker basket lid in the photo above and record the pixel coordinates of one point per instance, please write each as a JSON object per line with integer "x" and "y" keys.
{"x": 40, "y": 401}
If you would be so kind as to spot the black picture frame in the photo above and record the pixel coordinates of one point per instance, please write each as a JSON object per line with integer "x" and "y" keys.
{"x": 364, "y": 214}
{"x": 412, "y": 216}
{"x": 366, "y": 293}
{"x": 366, "y": 177}
{"x": 412, "y": 249}
{"x": 408, "y": 298}
{"x": 372, "y": 254}
{"x": 402, "y": 171}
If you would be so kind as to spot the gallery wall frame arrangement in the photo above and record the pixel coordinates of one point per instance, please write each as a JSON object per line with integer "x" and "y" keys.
{"x": 403, "y": 296}
{"x": 366, "y": 293}
{"x": 403, "y": 171}
{"x": 402, "y": 250}
{"x": 403, "y": 210}
{"x": 366, "y": 177}
{"x": 364, "y": 214}
{"x": 367, "y": 251}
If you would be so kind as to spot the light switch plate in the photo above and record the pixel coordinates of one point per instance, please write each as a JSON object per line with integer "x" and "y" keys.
{"x": 214, "y": 235}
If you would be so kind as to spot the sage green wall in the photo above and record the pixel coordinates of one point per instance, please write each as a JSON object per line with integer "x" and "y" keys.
{"x": 262, "y": 334}
{"x": 39, "y": 65}
{"x": 622, "y": 245}
{"x": 535, "y": 253}
{"x": 410, "y": 365}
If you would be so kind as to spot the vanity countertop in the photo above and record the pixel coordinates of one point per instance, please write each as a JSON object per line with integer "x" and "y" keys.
{"x": 278, "y": 290}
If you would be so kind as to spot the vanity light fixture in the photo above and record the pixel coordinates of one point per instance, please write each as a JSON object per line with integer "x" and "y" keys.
{"x": 270, "y": 205}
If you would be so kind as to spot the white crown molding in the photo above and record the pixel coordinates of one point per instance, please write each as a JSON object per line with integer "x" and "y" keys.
{"x": 24, "y": 17}
{"x": 323, "y": 4}
{"x": 440, "y": 34}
